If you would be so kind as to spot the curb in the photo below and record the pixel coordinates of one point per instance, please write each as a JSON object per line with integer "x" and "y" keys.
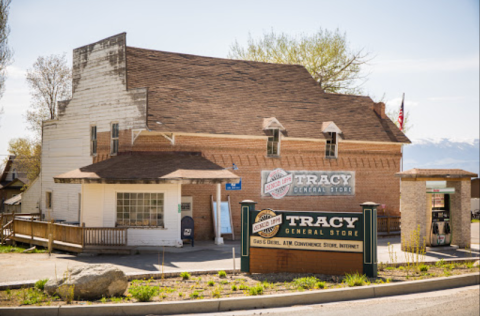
{"x": 267, "y": 301}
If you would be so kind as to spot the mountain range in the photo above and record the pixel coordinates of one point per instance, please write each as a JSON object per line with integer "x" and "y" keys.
{"x": 442, "y": 154}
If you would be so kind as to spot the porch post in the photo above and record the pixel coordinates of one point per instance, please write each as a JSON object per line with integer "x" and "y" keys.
{"x": 218, "y": 238}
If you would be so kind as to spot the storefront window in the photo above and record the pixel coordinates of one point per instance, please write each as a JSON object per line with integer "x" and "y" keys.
{"x": 140, "y": 209}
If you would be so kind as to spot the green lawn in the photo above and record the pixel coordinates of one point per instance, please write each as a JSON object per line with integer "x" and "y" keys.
{"x": 8, "y": 249}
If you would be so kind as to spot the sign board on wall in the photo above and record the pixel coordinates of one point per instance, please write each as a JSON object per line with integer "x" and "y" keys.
{"x": 279, "y": 183}
{"x": 234, "y": 186}
{"x": 325, "y": 233}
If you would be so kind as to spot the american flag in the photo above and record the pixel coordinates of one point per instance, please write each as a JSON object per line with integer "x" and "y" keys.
{"x": 400, "y": 114}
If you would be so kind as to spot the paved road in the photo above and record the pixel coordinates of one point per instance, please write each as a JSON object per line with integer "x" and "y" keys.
{"x": 204, "y": 256}
{"x": 453, "y": 302}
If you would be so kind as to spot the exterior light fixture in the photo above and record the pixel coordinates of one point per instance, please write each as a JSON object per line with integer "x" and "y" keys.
{"x": 233, "y": 167}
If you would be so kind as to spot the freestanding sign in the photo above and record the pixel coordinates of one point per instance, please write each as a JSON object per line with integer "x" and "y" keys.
{"x": 315, "y": 242}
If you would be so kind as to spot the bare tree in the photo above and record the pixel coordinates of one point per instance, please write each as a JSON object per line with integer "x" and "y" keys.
{"x": 50, "y": 80}
{"x": 5, "y": 51}
{"x": 326, "y": 55}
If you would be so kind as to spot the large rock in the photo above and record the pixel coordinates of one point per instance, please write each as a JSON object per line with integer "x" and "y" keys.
{"x": 89, "y": 282}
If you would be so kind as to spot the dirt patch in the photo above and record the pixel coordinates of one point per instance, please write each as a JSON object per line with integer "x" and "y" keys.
{"x": 210, "y": 286}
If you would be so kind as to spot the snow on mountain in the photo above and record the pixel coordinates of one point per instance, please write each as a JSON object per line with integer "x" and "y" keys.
{"x": 442, "y": 153}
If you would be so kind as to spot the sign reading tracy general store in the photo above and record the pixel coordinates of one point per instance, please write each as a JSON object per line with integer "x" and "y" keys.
{"x": 279, "y": 183}
{"x": 315, "y": 242}
{"x": 308, "y": 231}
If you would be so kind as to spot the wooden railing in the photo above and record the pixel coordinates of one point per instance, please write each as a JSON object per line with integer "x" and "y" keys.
{"x": 103, "y": 236}
{"x": 79, "y": 235}
{"x": 387, "y": 224}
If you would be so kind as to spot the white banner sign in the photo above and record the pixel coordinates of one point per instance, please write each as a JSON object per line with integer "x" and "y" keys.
{"x": 272, "y": 221}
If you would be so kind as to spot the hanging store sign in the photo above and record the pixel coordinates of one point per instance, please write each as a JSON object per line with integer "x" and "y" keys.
{"x": 279, "y": 183}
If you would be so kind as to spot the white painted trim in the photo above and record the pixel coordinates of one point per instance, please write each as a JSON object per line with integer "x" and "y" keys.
{"x": 135, "y": 134}
{"x": 263, "y": 137}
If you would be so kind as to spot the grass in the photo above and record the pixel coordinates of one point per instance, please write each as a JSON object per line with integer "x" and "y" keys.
{"x": 211, "y": 283}
{"x": 143, "y": 292}
{"x": 185, "y": 275}
{"x": 355, "y": 279}
{"x": 40, "y": 284}
{"x": 305, "y": 283}
{"x": 475, "y": 220}
{"x": 255, "y": 290}
{"x": 222, "y": 274}
{"x": 18, "y": 249}
{"x": 423, "y": 268}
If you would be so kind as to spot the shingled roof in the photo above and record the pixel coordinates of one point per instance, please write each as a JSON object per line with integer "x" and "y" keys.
{"x": 151, "y": 167}
{"x": 195, "y": 94}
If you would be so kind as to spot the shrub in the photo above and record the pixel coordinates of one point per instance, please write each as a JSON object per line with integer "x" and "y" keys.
{"x": 243, "y": 287}
{"x": 185, "y": 275}
{"x": 320, "y": 285}
{"x": 143, "y": 293}
{"x": 32, "y": 296}
{"x": 211, "y": 283}
{"x": 305, "y": 283}
{"x": 255, "y": 290}
{"x": 423, "y": 268}
{"x": 224, "y": 282}
{"x": 355, "y": 279}
{"x": 40, "y": 284}
{"x": 234, "y": 287}
{"x": 217, "y": 293}
{"x": 440, "y": 263}
{"x": 222, "y": 274}
{"x": 194, "y": 295}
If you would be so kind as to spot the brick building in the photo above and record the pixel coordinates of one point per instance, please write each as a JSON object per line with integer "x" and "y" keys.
{"x": 144, "y": 123}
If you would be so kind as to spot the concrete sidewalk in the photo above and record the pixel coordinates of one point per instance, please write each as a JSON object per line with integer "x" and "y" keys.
{"x": 204, "y": 256}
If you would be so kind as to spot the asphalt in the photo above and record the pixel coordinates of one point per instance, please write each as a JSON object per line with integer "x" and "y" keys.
{"x": 16, "y": 267}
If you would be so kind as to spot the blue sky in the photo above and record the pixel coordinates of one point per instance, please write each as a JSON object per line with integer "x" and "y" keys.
{"x": 427, "y": 49}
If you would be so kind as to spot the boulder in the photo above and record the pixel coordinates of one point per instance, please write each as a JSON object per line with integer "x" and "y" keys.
{"x": 90, "y": 282}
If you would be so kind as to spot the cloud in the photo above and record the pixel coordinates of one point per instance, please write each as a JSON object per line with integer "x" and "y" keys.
{"x": 425, "y": 65}
{"x": 395, "y": 103}
{"x": 15, "y": 72}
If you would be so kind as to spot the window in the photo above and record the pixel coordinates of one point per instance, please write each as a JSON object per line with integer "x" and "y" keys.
{"x": 331, "y": 148}
{"x": 114, "y": 143}
{"x": 14, "y": 174}
{"x": 140, "y": 209}
{"x": 273, "y": 142}
{"x": 93, "y": 140}
{"x": 48, "y": 200}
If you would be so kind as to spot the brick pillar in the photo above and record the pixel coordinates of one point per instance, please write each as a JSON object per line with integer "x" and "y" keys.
{"x": 460, "y": 212}
{"x": 413, "y": 205}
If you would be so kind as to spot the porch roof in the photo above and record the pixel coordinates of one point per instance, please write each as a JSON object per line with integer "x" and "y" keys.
{"x": 436, "y": 173}
{"x": 151, "y": 168}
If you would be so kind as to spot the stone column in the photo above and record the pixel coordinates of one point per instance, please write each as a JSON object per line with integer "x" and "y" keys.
{"x": 460, "y": 216}
{"x": 413, "y": 206}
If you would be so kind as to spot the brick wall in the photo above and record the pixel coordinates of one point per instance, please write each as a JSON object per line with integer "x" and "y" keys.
{"x": 303, "y": 261}
{"x": 374, "y": 164}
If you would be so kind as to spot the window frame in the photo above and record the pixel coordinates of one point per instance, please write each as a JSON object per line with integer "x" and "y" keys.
{"x": 278, "y": 142}
{"x": 113, "y": 149}
{"x": 331, "y": 141}
{"x": 93, "y": 141}
{"x": 49, "y": 199}
{"x": 143, "y": 192}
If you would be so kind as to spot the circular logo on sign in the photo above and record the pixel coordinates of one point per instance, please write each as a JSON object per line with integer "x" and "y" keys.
{"x": 275, "y": 184}
{"x": 263, "y": 216}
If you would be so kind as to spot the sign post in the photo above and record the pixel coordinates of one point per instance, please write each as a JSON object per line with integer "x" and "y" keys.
{"x": 369, "y": 210}
{"x": 247, "y": 206}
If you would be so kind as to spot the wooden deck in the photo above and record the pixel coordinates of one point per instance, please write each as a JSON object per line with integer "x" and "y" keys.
{"x": 29, "y": 229}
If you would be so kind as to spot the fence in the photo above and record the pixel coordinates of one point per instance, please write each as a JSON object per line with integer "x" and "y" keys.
{"x": 387, "y": 224}
{"x": 12, "y": 224}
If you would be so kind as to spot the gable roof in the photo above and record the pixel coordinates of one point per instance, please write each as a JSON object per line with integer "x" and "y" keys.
{"x": 436, "y": 173}
{"x": 195, "y": 94}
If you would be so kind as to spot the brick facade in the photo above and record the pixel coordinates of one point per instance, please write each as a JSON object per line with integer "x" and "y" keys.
{"x": 303, "y": 261}
{"x": 374, "y": 166}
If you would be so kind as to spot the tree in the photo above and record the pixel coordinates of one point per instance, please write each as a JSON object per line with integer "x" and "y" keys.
{"x": 27, "y": 156}
{"x": 326, "y": 55}
{"x": 5, "y": 52}
{"x": 50, "y": 80}
{"x": 393, "y": 115}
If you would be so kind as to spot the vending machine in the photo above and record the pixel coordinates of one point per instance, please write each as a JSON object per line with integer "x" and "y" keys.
{"x": 440, "y": 226}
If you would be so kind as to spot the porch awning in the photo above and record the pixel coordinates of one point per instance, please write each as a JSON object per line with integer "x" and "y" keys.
{"x": 151, "y": 168}
{"x": 436, "y": 173}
